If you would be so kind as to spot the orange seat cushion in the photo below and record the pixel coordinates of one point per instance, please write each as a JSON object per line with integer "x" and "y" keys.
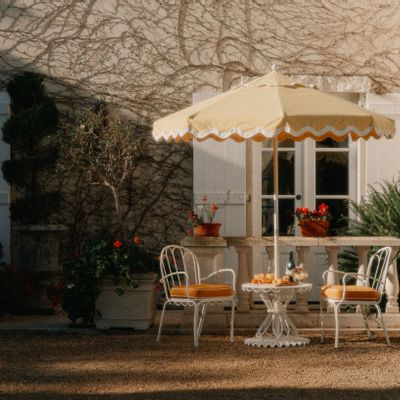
{"x": 202, "y": 290}
{"x": 353, "y": 292}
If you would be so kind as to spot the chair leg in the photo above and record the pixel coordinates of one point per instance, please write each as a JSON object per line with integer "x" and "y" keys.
{"x": 321, "y": 318}
{"x": 365, "y": 319}
{"x": 161, "y": 323}
{"x": 202, "y": 316}
{"x": 378, "y": 308}
{"x": 336, "y": 309}
{"x": 232, "y": 319}
{"x": 195, "y": 325}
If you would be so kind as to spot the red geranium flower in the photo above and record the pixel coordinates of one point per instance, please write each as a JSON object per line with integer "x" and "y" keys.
{"x": 323, "y": 208}
{"x": 137, "y": 240}
{"x": 117, "y": 244}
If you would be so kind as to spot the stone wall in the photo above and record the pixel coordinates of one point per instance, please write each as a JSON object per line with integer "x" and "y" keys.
{"x": 150, "y": 56}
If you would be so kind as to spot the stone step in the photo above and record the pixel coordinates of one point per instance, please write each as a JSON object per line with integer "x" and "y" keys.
{"x": 179, "y": 319}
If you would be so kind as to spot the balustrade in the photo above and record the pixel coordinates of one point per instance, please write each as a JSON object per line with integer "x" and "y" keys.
{"x": 302, "y": 245}
{"x": 212, "y": 251}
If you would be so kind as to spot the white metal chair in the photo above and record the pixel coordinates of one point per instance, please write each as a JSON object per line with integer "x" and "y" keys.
{"x": 367, "y": 293}
{"x": 184, "y": 286}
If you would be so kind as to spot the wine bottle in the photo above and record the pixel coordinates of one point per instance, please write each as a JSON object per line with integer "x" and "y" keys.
{"x": 290, "y": 266}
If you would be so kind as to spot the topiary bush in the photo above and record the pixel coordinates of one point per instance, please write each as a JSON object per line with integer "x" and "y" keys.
{"x": 30, "y": 131}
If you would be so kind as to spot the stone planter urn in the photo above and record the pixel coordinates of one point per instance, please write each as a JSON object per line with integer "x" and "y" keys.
{"x": 36, "y": 252}
{"x": 135, "y": 308}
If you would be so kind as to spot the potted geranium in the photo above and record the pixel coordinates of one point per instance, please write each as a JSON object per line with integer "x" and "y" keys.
{"x": 202, "y": 221}
{"x": 314, "y": 223}
{"x": 127, "y": 295}
{"x": 112, "y": 283}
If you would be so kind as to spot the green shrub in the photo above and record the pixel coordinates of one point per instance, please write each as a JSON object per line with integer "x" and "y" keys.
{"x": 29, "y": 131}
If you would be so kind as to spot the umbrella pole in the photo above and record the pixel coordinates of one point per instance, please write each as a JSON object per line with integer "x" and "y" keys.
{"x": 276, "y": 209}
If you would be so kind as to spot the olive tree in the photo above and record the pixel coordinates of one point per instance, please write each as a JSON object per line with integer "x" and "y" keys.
{"x": 106, "y": 145}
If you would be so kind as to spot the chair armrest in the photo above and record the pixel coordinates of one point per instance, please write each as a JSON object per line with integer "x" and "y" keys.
{"x": 346, "y": 275}
{"x": 222, "y": 271}
{"x": 167, "y": 287}
{"x": 176, "y": 273}
{"x": 164, "y": 278}
{"x": 355, "y": 275}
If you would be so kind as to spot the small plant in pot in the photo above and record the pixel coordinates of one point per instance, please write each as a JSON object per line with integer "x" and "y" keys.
{"x": 112, "y": 283}
{"x": 202, "y": 220}
{"x": 314, "y": 223}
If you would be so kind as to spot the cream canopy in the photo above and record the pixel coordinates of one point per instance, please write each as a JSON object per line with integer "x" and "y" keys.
{"x": 273, "y": 106}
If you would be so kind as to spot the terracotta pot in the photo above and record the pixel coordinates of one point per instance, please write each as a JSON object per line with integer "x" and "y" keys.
{"x": 314, "y": 228}
{"x": 207, "y": 230}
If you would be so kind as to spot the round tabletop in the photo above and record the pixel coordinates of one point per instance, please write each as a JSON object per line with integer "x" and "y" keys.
{"x": 266, "y": 287}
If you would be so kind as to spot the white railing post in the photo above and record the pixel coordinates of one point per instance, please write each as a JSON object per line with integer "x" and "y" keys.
{"x": 302, "y": 299}
{"x": 392, "y": 285}
{"x": 362, "y": 252}
{"x": 332, "y": 263}
{"x": 243, "y": 276}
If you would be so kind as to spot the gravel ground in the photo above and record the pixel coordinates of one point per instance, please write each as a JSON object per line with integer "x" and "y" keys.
{"x": 133, "y": 366}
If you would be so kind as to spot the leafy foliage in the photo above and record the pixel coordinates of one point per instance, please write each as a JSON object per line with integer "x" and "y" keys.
{"x": 132, "y": 257}
{"x": 348, "y": 260}
{"x": 106, "y": 146}
{"x": 81, "y": 275}
{"x": 34, "y": 120}
{"x": 379, "y": 213}
{"x": 100, "y": 258}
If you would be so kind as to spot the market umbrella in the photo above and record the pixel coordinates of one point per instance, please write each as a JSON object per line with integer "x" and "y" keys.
{"x": 273, "y": 106}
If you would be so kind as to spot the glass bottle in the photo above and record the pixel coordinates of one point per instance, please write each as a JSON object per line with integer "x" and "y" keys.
{"x": 290, "y": 266}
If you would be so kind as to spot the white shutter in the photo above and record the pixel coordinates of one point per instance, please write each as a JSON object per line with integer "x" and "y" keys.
{"x": 219, "y": 167}
{"x": 382, "y": 161}
{"x": 4, "y": 188}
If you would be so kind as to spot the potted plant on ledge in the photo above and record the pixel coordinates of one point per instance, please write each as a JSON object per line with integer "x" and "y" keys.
{"x": 112, "y": 283}
{"x": 202, "y": 221}
{"x": 314, "y": 223}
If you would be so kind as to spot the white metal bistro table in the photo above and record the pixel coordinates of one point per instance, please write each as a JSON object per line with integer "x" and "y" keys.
{"x": 277, "y": 329}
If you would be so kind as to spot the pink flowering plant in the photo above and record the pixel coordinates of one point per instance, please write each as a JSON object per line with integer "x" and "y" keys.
{"x": 206, "y": 213}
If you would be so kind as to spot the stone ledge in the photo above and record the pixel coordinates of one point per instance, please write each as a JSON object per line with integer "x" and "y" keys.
{"x": 203, "y": 241}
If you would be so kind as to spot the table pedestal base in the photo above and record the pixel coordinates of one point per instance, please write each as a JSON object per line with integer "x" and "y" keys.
{"x": 277, "y": 329}
{"x": 284, "y": 341}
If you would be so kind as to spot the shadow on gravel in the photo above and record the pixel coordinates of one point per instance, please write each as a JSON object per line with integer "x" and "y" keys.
{"x": 238, "y": 394}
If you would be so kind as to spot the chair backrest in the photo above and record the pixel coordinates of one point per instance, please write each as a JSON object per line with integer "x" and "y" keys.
{"x": 175, "y": 262}
{"x": 378, "y": 268}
